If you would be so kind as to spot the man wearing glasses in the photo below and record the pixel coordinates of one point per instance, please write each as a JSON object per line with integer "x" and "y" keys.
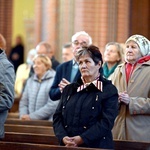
{"x": 68, "y": 72}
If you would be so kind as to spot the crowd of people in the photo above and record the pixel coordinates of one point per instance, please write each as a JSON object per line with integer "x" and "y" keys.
{"x": 90, "y": 99}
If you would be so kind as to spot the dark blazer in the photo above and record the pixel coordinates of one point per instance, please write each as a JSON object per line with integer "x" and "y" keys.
{"x": 55, "y": 63}
{"x": 62, "y": 71}
{"x": 89, "y": 113}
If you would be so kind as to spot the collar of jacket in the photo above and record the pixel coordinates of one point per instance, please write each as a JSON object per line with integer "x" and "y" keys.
{"x": 96, "y": 83}
{"x": 48, "y": 74}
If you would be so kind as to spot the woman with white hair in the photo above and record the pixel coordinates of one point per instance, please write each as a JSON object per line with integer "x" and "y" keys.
{"x": 132, "y": 80}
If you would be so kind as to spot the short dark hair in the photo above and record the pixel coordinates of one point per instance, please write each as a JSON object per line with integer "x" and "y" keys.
{"x": 92, "y": 51}
{"x": 46, "y": 45}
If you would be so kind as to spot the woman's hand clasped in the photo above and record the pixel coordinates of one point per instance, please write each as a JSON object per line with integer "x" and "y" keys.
{"x": 72, "y": 141}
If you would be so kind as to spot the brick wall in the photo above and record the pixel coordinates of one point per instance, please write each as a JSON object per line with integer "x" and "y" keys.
{"x": 104, "y": 20}
{"x": 140, "y": 17}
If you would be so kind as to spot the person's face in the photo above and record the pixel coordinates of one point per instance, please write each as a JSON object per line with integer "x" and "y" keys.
{"x": 79, "y": 42}
{"x": 18, "y": 40}
{"x": 67, "y": 54}
{"x": 39, "y": 67}
{"x": 40, "y": 49}
{"x": 111, "y": 54}
{"x": 88, "y": 69}
{"x": 132, "y": 52}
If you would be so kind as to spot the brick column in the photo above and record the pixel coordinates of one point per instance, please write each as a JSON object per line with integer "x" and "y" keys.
{"x": 91, "y": 16}
{"x": 123, "y": 21}
{"x": 38, "y": 21}
{"x": 6, "y": 21}
{"x": 46, "y": 22}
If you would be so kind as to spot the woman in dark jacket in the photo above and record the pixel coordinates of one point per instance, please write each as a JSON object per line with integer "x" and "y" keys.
{"x": 87, "y": 110}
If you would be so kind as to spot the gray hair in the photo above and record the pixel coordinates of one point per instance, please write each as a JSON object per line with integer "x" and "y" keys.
{"x": 81, "y": 33}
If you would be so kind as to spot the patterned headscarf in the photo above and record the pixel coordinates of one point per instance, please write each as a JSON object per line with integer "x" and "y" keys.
{"x": 143, "y": 43}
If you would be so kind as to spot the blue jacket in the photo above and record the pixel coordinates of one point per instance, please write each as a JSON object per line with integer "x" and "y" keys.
{"x": 62, "y": 71}
{"x": 7, "y": 79}
{"x": 89, "y": 113}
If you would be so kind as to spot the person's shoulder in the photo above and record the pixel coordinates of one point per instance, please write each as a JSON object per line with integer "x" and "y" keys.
{"x": 70, "y": 88}
{"x": 2, "y": 54}
{"x": 24, "y": 65}
{"x": 4, "y": 58}
{"x": 31, "y": 78}
{"x": 51, "y": 72}
{"x": 147, "y": 63}
{"x": 107, "y": 84}
{"x": 55, "y": 61}
{"x": 64, "y": 64}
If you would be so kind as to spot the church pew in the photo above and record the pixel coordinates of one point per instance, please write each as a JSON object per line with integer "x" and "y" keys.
{"x": 28, "y": 146}
{"x": 28, "y": 122}
{"x": 131, "y": 145}
{"x": 13, "y": 115}
{"x": 52, "y": 140}
{"x": 15, "y": 107}
{"x": 29, "y": 129}
{"x": 30, "y": 138}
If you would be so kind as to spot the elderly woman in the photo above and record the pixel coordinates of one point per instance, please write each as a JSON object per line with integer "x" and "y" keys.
{"x": 87, "y": 109}
{"x": 112, "y": 58}
{"x": 132, "y": 80}
{"x": 35, "y": 103}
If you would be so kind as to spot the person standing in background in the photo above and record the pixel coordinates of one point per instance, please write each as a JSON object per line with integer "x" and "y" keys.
{"x": 112, "y": 58}
{"x": 22, "y": 73}
{"x": 17, "y": 53}
{"x": 45, "y": 48}
{"x": 132, "y": 79}
{"x": 35, "y": 103}
{"x": 7, "y": 79}
{"x": 67, "y": 52}
{"x": 68, "y": 72}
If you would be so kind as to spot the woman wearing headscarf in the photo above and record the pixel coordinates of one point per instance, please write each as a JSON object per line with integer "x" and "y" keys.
{"x": 87, "y": 109}
{"x": 132, "y": 80}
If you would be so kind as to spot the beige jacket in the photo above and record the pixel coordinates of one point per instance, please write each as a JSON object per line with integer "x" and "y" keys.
{"x": 133, "y": 121}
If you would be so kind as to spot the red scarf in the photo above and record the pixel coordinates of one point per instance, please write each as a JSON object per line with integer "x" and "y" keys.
{"x": 131, "y": 67}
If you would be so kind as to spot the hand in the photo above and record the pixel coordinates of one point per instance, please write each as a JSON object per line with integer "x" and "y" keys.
{"x": 124, "y": 97}
{"x": 68, "y": 141}
{"x": 72, "y": 141}
{"x": 62, "y": 84}
{"x": 78, "y": 140}
{"x": 25, "y": 117}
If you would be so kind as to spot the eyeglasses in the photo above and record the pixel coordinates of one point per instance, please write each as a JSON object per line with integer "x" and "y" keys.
{"x": 83, "y": 44}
